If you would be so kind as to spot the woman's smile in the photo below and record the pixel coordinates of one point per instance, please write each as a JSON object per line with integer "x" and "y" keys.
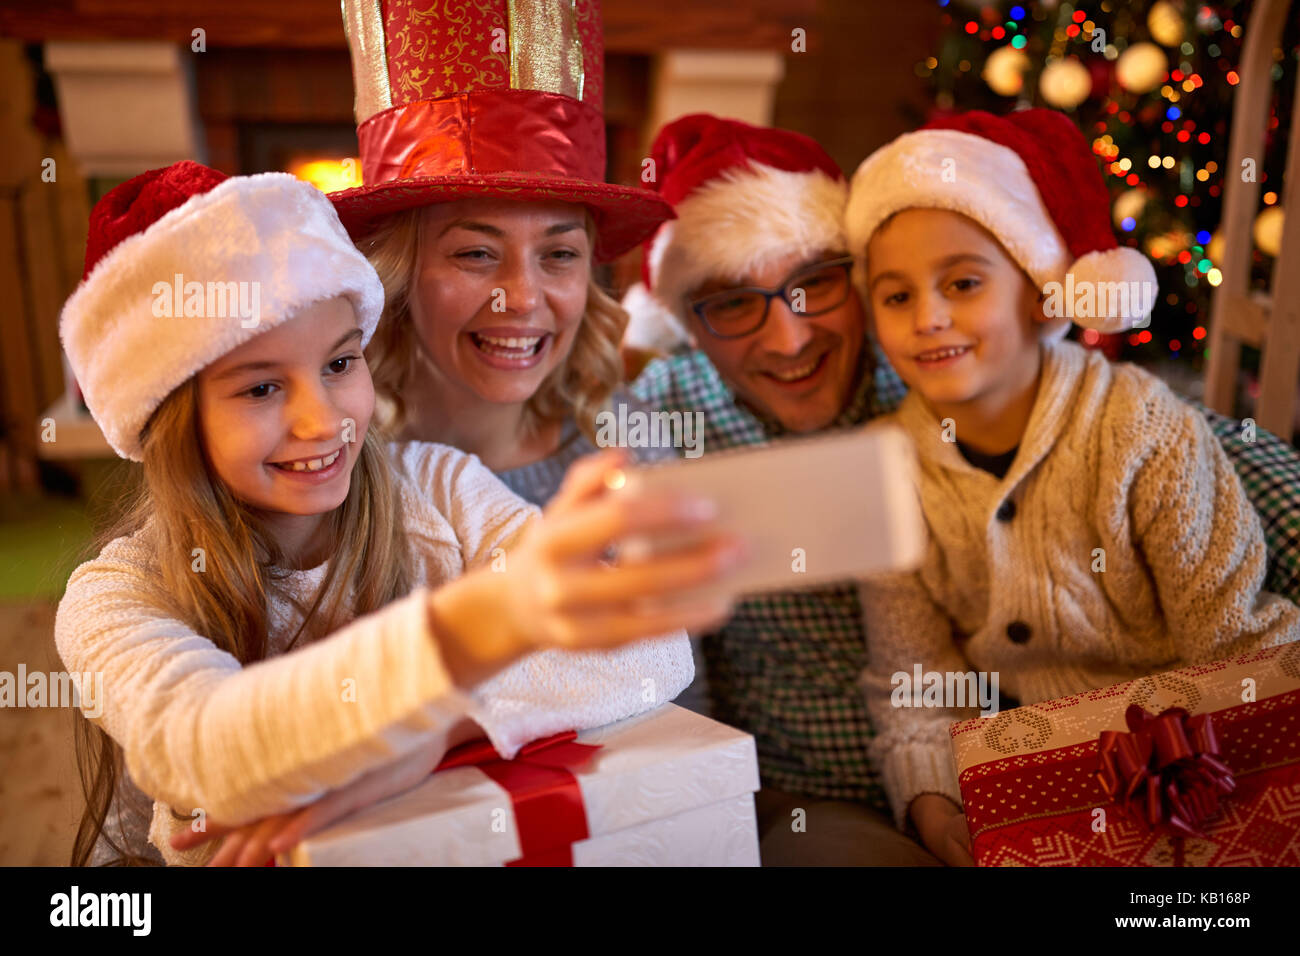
{"x": 509, "y": 348}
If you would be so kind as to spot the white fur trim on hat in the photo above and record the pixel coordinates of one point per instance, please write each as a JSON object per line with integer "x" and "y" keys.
{"x": 964, "y": 173}
{"x": 276, "y": 233}
{"x": 1121, "y": 276}
{"x": 650, "y": 325}
{"x": 739, "y": 222}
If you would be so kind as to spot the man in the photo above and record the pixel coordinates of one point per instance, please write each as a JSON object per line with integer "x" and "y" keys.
{"x": 763, "y": 208}
{"x": 760, "y": 207}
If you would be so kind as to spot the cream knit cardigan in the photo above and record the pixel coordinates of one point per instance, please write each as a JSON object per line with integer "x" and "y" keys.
{"x": 199, "y": 730}
{"x": 1110, "y": 460}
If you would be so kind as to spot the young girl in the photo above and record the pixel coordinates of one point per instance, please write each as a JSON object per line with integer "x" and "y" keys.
{"x": 1086, "y": 526}
{"x": 217, "y": 338}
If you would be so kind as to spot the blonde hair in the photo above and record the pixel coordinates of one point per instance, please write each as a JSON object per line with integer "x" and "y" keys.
{"x": 580, "y": 386}
{"x": 180, "y": 504}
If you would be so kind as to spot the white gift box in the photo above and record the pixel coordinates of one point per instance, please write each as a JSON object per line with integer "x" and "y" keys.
{"x": 667, "y": 788}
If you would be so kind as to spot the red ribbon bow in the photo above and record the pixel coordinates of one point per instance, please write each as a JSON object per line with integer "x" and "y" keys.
{"x": 1170, "y": 765}
{"x": 544, "y": 792}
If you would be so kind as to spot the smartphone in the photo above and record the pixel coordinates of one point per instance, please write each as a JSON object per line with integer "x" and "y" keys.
{"x": 813, "y": 510}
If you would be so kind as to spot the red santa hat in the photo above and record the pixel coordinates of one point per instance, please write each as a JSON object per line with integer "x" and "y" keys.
{"x": 744, "y": 196}
{"x": 155, "y": 235}
{"x": 1030, "y": 179}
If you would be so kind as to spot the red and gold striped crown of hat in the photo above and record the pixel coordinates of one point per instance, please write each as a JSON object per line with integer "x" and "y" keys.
{"x": 492, "y": 98}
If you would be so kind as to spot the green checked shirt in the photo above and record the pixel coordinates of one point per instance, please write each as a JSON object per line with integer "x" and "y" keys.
{"x": 1269, "y": 469}
{"x": 785, "y": 667}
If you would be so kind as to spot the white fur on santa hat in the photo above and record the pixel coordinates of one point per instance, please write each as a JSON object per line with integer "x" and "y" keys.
{"x": 271, "y": 229}
{"x": 739, "y": 222}
{"x": 650, "y": 326}
{"x": 989, "y": 183}
{"x": 1125, "y": 277}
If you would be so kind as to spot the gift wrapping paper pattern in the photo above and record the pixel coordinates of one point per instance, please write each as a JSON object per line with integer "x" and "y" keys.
{"x": 1031, "y": 794}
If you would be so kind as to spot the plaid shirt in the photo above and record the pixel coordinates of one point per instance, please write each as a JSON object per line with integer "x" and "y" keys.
{"x": 1269, "y": 469}
{"x": 785, "y": 667}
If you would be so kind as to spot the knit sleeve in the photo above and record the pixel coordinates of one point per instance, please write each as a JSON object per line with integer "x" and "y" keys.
{"x": 551, "y": 690}
{"x": 906, "y": 629}
{"x": 200, "y": 730}
{"x": 484, "y": 515}
{"x": 166, "y": 824}
{"x": 1201, "y": 539}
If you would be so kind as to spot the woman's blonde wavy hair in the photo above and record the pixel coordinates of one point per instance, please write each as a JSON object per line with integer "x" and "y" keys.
{"x": 181, "y": 504}
{"x": 580, "y": 386}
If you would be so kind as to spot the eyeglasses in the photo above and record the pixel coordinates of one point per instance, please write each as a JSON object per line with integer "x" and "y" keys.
{"x": 813, "y": 290}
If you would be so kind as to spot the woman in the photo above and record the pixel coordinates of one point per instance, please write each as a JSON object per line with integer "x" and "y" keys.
{"x": 484, "y": 214}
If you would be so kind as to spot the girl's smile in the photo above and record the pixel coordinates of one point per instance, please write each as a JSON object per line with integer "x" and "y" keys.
{"x": 283, "y": 415}
{"x": 316, "y": 470}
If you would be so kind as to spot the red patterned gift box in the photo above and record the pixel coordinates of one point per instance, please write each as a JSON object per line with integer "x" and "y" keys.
{"x": 1034, "y": 796}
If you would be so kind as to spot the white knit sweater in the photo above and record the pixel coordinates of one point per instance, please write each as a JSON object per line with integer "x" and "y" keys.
{"x": 199, "y": 730}
{"x": 1111, "y": 460}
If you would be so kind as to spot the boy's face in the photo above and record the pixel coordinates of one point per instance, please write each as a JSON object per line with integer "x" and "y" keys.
{"x": 284, "y": 396}
{"x": 797, "y": 369}
{"x": 956, "y": 316}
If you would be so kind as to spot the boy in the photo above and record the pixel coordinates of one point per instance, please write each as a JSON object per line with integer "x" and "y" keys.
{"x": 1086, "y": 525}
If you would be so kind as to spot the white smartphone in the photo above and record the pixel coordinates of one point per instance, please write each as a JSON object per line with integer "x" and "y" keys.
{"x": 813, "y": 510}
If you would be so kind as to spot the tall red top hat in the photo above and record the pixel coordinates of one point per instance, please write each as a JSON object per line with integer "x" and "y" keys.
{"x": 493, "y": 98}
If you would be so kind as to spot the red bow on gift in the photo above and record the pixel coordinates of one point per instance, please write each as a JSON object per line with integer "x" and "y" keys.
{"x": 547, "y": 801}
{"x": 1170, "y": 763}
{"x": 544, "y": 793}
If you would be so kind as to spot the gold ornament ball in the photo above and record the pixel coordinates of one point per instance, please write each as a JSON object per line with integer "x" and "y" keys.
{"x": 1165, "y": 21}
{"x": 1004, "y": 71}
{"x": 1065, "y": 83}
{"x": 1141, "y": 67}
{"x": 1268, "y": 230}
{"x": 1131, "y": 202}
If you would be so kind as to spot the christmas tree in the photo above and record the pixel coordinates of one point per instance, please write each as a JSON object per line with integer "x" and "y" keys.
{"x": 1151, "y": 86}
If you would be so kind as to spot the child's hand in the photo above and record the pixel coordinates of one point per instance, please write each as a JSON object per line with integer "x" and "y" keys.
{"x": 557, "y": 591}
{"x": 570, "y": 597}
{"x": 943, "y": 829}
{"x": 253, "y": 844}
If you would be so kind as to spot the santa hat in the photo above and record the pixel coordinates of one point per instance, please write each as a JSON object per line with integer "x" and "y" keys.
{"x": 1030, "y": 179}
{"x": 128, "y": 342}
{"x": 744, "y": 196}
